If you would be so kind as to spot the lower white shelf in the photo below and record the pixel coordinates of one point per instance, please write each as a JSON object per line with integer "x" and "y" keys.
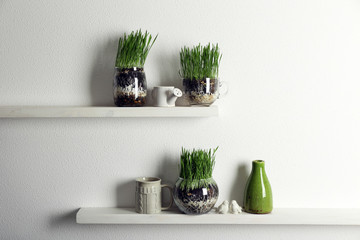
{"x": 280, "y": 216}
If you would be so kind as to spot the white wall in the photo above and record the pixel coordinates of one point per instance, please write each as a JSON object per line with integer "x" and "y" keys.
{"x": 293, "y": 69}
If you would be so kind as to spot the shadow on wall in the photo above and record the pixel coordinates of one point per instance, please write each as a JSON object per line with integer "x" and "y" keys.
{"x": 169, "y": 173}
{"x": 59, "y": 221}
{"x": 237, "y": 191}
{"x": 125, "y": 194}
{"x": 102, "y": 73}
{"x": 168, "y": 74}
{"x": 168, "y": 70}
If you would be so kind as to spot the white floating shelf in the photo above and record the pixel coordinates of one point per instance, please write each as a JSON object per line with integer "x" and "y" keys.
{"x": 280, "y": 216}
{"x": 105, "y": 112}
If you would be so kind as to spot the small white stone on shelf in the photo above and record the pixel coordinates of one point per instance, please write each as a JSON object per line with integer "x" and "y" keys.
{"x": 234, "y": 207}
{"x": 223, "y": 208}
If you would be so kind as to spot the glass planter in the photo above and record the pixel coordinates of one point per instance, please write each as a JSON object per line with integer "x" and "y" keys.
{"x": 201, "y": 92}
{"x": 129, "y": 87}
{"x": 195, "y": 196}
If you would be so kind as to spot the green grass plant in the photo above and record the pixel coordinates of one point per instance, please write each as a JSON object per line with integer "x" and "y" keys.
{"x": 133, "y": 49}
{"x": 200, "y": 62}
{"x": 196, "y": 167}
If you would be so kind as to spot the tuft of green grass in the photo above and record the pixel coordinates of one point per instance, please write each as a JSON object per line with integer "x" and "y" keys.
{"x": 200, "y": 62}
{"x": 133, "y": 49}
{"x": 196, "y": 167}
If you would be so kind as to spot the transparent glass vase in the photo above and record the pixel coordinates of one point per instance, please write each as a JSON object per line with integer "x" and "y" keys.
{"x": 204, "y": 91}
{"x": 195, "y": 196}
{"x": 130, "y": 87}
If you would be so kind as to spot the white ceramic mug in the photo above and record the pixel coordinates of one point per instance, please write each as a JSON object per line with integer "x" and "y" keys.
{"x": 165, "y": 96}
{"x": 148, "y": 195}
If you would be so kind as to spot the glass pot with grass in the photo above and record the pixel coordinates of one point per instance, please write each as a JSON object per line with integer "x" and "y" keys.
{"x": 130, "y": 86}
{"x": 199, "y": 70}
{"x": 196, "y": 192}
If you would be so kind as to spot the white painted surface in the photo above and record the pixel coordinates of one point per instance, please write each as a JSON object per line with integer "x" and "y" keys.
{"x": 293, "y": 73}
{"x": 279, "y": 216}
{"x": 105, "y": 112}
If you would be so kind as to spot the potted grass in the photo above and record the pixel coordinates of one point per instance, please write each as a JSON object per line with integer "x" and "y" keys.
{"x": 130, "y": 85}
{"x": 199, "y": 68}
{"x": 196, "y": 192}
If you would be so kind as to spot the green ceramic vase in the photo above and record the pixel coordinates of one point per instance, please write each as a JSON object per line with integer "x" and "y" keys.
{"x": 258, "y": 195}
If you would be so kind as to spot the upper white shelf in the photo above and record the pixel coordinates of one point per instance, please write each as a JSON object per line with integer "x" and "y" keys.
{"x": 95, "y": 112}
{"x": 280, "y": 216}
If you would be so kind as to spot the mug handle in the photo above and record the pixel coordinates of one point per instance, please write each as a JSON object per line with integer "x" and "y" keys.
{"x": 171, "y": 196}
{"x": 153, "y": 93}
{"x": 224, "y": 88}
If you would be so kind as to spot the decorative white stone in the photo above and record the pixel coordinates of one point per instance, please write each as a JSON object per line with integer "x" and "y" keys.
{"x": 223, "y": 208}
{"x": 234, "y": 207}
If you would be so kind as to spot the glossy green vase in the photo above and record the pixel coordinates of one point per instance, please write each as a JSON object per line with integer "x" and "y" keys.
{"x": 258, "y": 195}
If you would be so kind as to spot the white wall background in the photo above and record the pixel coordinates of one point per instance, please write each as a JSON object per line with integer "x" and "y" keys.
{"x": 293, "y": 68}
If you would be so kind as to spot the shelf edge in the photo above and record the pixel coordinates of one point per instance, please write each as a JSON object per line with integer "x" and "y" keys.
{"x": 106, "y": 112}
{"x": 281, "y": 216}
